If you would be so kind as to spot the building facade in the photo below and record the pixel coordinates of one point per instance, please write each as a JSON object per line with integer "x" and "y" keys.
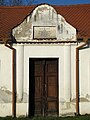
{"x": 44, "y": 62}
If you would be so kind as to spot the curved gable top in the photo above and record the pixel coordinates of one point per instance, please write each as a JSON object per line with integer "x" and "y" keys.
{"x": 44, "y": 23}
{"x": 43, "y": 8}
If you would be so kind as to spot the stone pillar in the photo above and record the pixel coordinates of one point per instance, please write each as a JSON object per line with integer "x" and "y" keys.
{"x": 67, "y": 72}
{"x": 20, "y": 71}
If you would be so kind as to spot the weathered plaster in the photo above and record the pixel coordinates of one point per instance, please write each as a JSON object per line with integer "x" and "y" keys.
{"x": 5, "y": 95}
{"x": 44, "y": 16}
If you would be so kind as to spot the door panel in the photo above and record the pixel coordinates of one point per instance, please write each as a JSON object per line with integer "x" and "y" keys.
{"x": 38, "y": 93}
{"x": 51, "y": 82}
{"x": 35, "y": 87}
{"x": 43, "y": 89}
{"x": 38, "y": 75}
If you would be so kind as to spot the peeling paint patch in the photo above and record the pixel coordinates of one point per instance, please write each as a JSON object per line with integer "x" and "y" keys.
{"x": 24, "y": 99}
{"x": 67, "y": 109}
{"x": 5, "y": 95}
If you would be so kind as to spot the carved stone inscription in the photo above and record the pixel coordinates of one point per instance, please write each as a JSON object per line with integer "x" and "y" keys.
{"x": 47, "y": 32}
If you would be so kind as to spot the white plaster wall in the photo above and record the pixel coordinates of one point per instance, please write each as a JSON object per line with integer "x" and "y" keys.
{"x": 5, "y": 109}
{"x": 57, "y": 51}
{"x": 5, "y": 81}
{"x": 5, "y": 68}
{"x": 42, "y": 51}
{"x": 73, "y": 71}
{"x": 84, "y": 72}
{"x": 47, "y": 51}
{"x": 52, "y": 51}
{"x": 84, "y": 79}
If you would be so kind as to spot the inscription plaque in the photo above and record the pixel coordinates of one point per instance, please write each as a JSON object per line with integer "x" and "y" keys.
{"x": 47, "y": 32}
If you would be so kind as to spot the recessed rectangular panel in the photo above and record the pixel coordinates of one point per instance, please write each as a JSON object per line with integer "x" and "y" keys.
{"x": 38, "y": 107}
{"x": 38, "y": 69}
{"x": 51, "y": 67}
{"x": 52, "y": 91}
{"x": 52, "y": 86}
{"x": 44, "y": 32}
{"x": 38, "y": 86}
{"x": 52, "y": 106}
{"x": 51, "y": 79}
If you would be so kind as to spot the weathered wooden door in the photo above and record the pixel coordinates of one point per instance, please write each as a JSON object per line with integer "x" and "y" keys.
{"x": 43, "y": 87}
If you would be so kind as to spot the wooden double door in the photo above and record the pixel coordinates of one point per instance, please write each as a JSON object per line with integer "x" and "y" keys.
{"x": 43, "y": 87}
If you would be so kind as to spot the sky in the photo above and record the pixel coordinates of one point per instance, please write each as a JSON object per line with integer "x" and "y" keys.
{"x": 62, "y": 2}
{"x": 56, "y": 2}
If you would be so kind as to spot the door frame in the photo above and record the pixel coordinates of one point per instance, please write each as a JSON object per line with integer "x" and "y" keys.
{"x": 57, "y": 82}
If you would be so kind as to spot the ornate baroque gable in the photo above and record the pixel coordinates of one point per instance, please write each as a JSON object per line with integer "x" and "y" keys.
{"x": 44, "y": 24}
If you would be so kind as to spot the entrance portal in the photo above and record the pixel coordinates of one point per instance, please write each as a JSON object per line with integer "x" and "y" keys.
{"x": 43, "y": 87}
